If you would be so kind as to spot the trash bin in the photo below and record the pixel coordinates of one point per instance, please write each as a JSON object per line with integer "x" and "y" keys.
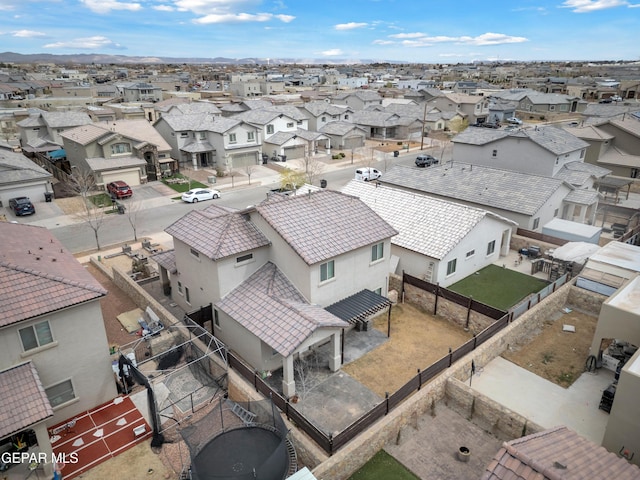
{"x": 265, "y": 158}
{"x": 396, "y": 153}
{"x": 120, "y": 209}
{"x": 211, "y": 179}
{"x": 283, "y": 158}
{"x": 48, "y": 196}
{"x": 323, "y": 183}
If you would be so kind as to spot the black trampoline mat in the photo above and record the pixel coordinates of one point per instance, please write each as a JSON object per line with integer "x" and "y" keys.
{"x": 237, "y": 452}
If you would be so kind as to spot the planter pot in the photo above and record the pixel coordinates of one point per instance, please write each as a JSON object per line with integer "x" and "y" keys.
{"x": 463, "y": 454}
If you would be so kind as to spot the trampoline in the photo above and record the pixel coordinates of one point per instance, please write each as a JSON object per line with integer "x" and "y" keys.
{"x": 256, "y": 447}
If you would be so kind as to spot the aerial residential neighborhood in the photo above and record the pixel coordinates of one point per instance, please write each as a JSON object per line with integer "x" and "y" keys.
{"x": 433, "y": 266}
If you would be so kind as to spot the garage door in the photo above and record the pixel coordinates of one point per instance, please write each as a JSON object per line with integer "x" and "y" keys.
{"x": 294, "y": 152}
{"x": 239, "y": 160}
{"x": 131, "y": 177}
{"x": 34, "y": 192}
{"x": 353, "y": 142}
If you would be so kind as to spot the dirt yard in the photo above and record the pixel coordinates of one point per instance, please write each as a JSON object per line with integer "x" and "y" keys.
{"x": 557, "y": 355}
{"x": 417, "y": 340}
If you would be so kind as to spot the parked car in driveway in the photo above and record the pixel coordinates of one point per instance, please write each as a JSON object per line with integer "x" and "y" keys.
{"x": 196, "y": 195}
{"x": 514, "y": 121}
{"x": 367, "y": 173}
{"x": 426, "y": 160}
{"x": 119, "y": 189}
{"x": 21, "y": 206}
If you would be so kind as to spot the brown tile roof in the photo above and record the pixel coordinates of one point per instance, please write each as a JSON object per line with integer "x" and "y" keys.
{"x": 324, "y": 224}
{"x": 166, "y": 259}
{"x": 557, "y": 454}
{"x": 23, "y": 399}
{"x": 272, "y": 309}
{"x": 38, "y": 275}
{"x": 217, "y": 232}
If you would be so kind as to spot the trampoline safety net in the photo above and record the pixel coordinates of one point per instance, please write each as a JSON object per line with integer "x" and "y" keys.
{"x": 238, "y": 441}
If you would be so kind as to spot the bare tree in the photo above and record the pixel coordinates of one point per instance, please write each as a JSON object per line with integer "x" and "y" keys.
{"x": 312, "y": 168}
{"x": 249, "y": 171}
{"x": 83, "y": 184}
{"x": 133, "y": 211}
{"x": 306, "y": 373}
{"x": 232, "y": 174}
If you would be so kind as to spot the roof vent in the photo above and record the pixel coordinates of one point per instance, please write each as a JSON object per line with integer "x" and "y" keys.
{"x": 560, "y": 465}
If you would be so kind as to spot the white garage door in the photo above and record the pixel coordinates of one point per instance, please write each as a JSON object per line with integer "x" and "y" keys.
{"x": 294, "y": 152}
{"x": 130, "y": 177}
{"x": 240, "y": 160}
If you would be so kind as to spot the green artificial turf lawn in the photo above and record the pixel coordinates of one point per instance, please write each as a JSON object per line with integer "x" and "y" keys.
{"x": 499, "y": 287}
{"x": 383, "y": 467}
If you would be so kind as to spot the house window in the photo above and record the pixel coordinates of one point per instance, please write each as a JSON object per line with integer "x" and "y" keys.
{"x": 36, "y": 335}
{"x": 327, "y": 271}
{"x": 216, "y": 318}
{"x": 536, "y": 223}
{"x": 180, "y": 288}
{"x": 451, "y": 266}
{"x": 250, "y": 137}
{"x": 557, "y": 160}
{"x": 232, "y": 138}
{"x": 270, "y": 129}
{"x": 60, "y": 393}
{"x": 195, "y": 253}
{"x": 244, "y": 258}
{"x": 582, "y": 153}
{"x": 202, "y": 135}
{"x": 346, "y": 117}
{"x": 377, "y": 251}
{"x": 289, "y": 124}
{"x": 118, "y": 148}
{"x": 186, "y": 295}
{"x": 323, "y": 119}
{"x": 299, "y": 122}
{"x": 635, "y": 172}
{"x": 491, "y": 247}
{"x": 184, "y": 134}
{"x": 471, "y": 253}
{"x": 494, "y": 153}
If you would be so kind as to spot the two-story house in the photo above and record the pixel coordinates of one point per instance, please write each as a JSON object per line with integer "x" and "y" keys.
{"x": 319, "y": 113}
{"x": 140, "y": 92}
{"x": 128, "y": 150}
{"x": 474, "y": 108}
{"x": 203, "y": 140}
{"x": 42, "y": 132}
{"x": 358, "y": 100}
{"x": 271, "y": 270}
{"x": 53, "y": 344}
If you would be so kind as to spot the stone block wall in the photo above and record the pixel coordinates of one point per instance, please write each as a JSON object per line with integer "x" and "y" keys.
{"x": 586, "y": 300}
{"x": 487, "y": 414}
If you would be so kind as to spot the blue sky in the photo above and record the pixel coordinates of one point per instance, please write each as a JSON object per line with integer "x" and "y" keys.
{"x": 402, "y": 30}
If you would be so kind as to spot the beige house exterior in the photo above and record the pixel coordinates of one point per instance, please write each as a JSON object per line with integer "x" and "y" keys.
{"x": 52, "y": 321}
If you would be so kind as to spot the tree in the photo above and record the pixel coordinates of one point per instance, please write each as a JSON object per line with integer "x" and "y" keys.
{"x": 291, "y": 179}
{"x": 312, "y": 168}
{"x": 249, "y": 171}
{"x": 83, "y": 184}
{"x": 133, "y": 210}
{"x": 458, "y": 124}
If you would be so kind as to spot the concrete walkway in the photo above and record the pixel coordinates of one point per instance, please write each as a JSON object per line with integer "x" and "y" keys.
{"x": 544, "y": 402}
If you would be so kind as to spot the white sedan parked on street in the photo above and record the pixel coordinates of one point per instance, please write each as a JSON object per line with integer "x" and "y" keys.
{"x": 199, "y": 194}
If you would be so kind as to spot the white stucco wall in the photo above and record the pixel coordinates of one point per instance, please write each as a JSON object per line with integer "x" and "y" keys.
{"x": 80, "y": 352}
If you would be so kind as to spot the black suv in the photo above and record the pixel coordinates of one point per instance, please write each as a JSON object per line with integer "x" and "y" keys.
{"x": 425, "y": 161}
{"x": 22, "y": 206}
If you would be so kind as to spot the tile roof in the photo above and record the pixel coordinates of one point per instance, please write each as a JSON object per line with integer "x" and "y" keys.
{"x": 15, "y": 167}
{"x": 65, "y": 119}
{"x": 272, "y": 309}
{"x": 38, "y": 275}
{"x": 341, "y": 128}
{"x": 98, "y": 164}
{"x": 199, "y": 122}
{"x": 217, "y": 232}
{"x": 427, "y": 225}
{"x": 577, "y": 173}
{"x": 557, "y": 454}
{"x": 324, "y": 224}
{"x": 137, "y": 130}
{"x": 489, "y": 187}
{"x": 583, "y": 197}
{"x": 23, "y": 399}
{"x": 166, "y": 259}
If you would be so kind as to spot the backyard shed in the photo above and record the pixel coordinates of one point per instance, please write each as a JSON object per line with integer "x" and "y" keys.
{"x": 572, "y": 231}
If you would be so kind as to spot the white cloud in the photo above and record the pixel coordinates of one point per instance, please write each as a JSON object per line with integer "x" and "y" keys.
{"x": 350, "y": 26}
{"x": 105, "y": 6}
{"x": 164, "y": 8}
{"x": 27, "y": 34}
{"x": 242, "y": 18}
{"x": 383, "y": 42}
{"x": 489, "y": 38}
{"x": 87, "y": 43}
{"x": 582, "y": 6}
{"x": 332, "y": 52}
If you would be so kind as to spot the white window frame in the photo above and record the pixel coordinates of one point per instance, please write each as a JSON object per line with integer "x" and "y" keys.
{"x": 451, "y": 267}
{"x": 327, "y": 271}
{"x": 250, "y": 137}
{"x": 232, "y": 138}
{"x": 125, "y": 150}
{"x": 377, "y": 252}
{"x": 470, "y": 254}
{"x": 270, "y": 129}
{"x": 536, "y": 223}
{"x": 63, "y": 400}
{"x": 40, "y": 341}
{"x": 491, "y": 247}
